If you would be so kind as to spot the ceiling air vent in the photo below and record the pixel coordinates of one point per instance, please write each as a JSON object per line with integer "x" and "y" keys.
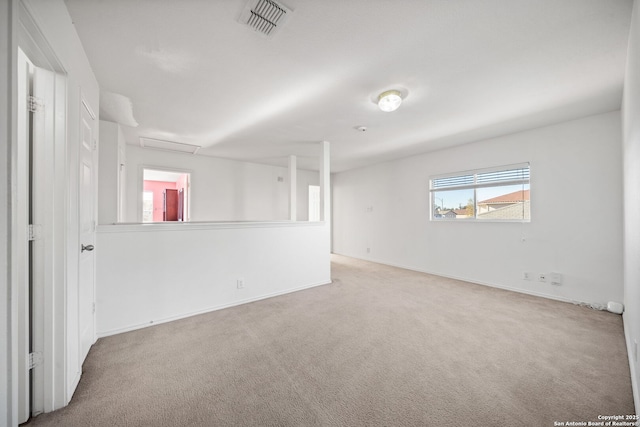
{"x": 158, "y": 144}
{"x": 264, "y": 16}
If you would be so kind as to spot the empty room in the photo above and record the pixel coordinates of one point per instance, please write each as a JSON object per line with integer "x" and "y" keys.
{"x": 304, "y": 213}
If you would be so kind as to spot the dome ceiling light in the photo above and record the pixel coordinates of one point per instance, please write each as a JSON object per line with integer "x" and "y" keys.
{"x": 389, "y": 100}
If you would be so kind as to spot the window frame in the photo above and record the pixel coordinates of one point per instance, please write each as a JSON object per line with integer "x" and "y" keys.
{"x": 474, "y": 185}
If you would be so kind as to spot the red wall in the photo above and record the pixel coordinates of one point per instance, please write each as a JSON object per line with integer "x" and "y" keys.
{"x": 158, "y": 187}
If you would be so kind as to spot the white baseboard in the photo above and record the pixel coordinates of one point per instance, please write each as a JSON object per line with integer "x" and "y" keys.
{"x": 102, "y": 334}
{"x": 632, "y": 365}
{"x": 598, "y": 306}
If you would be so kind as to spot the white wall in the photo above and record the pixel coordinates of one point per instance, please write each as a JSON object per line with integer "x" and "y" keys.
{"x": 304, "y": 180}
{"x": 159, "y": 272}
{"x": 576, "y": 226}
{"x": 111, "y": 137}
{"x": 221, "y": 189}
{"x": 631, "y": 151}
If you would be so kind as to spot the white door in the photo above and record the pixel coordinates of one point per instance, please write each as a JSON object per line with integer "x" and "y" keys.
{"x": 20, "y": 243}
{"x": 42, "y": 124}
{"x": 35, "y": 141}
{"x": 86, "y": 194}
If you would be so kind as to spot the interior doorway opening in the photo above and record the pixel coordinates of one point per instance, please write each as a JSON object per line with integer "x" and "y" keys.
{"x": 166, "y": 195}
{"x": 41, "y": 245}
{"x": 314, "y": 203}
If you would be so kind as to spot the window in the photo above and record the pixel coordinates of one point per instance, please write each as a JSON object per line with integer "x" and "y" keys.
{"x": 496, "y": 194}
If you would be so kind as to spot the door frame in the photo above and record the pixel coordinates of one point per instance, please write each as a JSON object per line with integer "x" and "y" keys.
{"x": 50, "y": 329}
{"x": 140, "y": 187}
{"x": 21, "y": 268}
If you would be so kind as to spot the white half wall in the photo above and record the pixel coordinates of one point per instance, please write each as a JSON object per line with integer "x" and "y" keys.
{"x": 576, "y": 225}
{"x": 153, "y": 273}
{"x": 631, "y": 151}
{"x": 222, "y": 189}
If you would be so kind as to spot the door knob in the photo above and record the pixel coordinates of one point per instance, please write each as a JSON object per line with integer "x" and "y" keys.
{"x": 86, "y": 248}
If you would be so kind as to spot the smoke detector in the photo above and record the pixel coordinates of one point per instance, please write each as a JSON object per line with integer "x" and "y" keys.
{"x": 265, "y": 17}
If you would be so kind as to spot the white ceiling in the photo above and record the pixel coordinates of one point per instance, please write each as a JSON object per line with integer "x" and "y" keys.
{"x": 472, "y": 69}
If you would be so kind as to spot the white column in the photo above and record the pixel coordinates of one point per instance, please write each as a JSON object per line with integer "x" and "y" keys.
{"x": 325, "y": 182}
{"x": 293, "y": 188}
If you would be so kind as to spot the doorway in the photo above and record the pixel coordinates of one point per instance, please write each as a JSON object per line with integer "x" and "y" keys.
{"x": 38, "y": 224}
{"x": 165, "y": 195}
{"x": 45, "y": 218}
{"x": 314, "y": 203}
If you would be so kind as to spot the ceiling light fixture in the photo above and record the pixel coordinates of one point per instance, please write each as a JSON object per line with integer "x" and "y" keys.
{"x": 389, "y": 100}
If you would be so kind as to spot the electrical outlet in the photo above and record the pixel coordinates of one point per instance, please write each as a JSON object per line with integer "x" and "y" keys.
{"x": 240, "y": 283}
{"x": 368, "y": 250}
{"x": 542, "y": 277}
{"x": 635, "y": 351}
{"x": 526, "y": 276}
{"x": 556, "y": 279}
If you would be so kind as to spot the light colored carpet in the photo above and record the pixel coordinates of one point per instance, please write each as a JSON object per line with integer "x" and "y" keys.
{"x": 379, "y": 346}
